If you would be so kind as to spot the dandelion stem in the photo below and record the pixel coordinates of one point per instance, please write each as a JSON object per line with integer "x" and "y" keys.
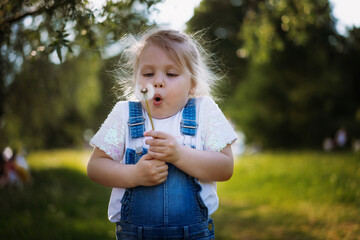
{"x": 144, "y": 91}
{"x": 151, "y": 121}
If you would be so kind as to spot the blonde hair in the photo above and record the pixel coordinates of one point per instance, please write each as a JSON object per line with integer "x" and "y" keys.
{"x": 184, "y": 48}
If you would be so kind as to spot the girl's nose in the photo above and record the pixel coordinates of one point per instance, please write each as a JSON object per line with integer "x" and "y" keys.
{"x": 159, "y": 83}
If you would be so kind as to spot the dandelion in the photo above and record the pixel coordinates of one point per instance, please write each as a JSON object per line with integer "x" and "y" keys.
{"x": 145, "y": 94}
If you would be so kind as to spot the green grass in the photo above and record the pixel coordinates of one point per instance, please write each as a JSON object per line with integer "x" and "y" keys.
{"x": 295, "y": 195}
{"x": 60, "y": 203}
{"x": 279, "y": 195}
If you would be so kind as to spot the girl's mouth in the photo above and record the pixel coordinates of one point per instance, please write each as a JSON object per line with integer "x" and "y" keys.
{"x": 157, "y": 100}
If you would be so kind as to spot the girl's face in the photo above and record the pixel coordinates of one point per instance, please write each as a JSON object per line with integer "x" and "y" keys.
{"x": 172, "y": 85}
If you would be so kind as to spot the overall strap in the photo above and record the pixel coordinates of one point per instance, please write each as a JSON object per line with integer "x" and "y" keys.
{"x": 189, "y": 125}
{"x": 136, "y": 120}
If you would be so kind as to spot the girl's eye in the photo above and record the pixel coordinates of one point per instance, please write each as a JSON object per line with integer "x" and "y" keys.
{"x": 172, "y": 74}
{"x": 148, "y": 74}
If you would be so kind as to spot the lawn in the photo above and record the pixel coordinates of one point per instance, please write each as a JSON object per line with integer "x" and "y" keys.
{"x": 60, "y": 203}
{"x": 294, "y": 195}
{"x": 278, "y": 195}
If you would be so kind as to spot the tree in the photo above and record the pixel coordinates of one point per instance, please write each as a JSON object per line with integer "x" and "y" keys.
{"x": 34, "y": 35}
{"x": 222, "y": 21}
{"x": 289, "y": 86}
{"x": 50, "y": 112}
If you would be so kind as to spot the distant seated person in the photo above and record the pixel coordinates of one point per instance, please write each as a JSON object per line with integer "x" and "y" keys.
{"x": 341, "y": 138}
{"x": 16, "y": 170}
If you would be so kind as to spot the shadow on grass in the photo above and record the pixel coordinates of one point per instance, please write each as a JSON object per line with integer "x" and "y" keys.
{"x": 64, "y": 204}
{"x": 59, "y": 204}
{"x": 259, "y": 222}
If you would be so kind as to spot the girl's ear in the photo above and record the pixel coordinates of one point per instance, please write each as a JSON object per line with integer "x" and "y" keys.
{"x": 193, "y": 88}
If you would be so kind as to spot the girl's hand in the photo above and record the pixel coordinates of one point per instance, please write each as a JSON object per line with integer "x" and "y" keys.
{"x": 150, "y": 172}
{"x": 206, "y": 166}
{"x": 163, "y": 146}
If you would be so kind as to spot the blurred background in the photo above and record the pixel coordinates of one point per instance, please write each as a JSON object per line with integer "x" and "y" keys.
{"x": 292, "y": 68}
{"x": 292, "y": 91}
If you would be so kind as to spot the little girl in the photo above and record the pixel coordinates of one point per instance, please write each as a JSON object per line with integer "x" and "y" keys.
{"x": 164, "y": 180}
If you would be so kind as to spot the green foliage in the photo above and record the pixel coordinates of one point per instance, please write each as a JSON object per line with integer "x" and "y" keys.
{"x": 268, "y": 25}
{"x": 53, "y": 107}
{"x": 294, "y": 79}
{"x": 290, "y": 101}
{"x": 222, "y": 21}
{"x": 59, "y": 43}
{"x": 24, "y": 22}
{"x": 43, "y": 104}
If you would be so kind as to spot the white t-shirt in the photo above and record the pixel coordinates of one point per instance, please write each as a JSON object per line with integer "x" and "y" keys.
{"x": 213, "y": 134}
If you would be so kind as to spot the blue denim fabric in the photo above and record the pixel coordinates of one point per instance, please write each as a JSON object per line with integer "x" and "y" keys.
{"x": 200, "y": 231}
{"x": 188, "y": 125}
{"x": 171, "y": 210}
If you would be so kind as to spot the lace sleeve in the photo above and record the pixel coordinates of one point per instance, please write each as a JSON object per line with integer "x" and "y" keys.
{"x": 217, "y": 132}
{"x": 111, "y": 136}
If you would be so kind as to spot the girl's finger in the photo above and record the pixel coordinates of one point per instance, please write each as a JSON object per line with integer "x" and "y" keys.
{"x": 157, "y": 149}
{"x": 155, "y": 142}
{"x": 163, "y": 169}
{"x": 163, "y": 179}
{"x": 155, "y": 134}
{"x": 156, "y": 155}
{"x": 160, "y": 164}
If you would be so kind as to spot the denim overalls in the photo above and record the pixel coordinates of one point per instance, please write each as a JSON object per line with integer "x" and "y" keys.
{"x": 171, "y": 210}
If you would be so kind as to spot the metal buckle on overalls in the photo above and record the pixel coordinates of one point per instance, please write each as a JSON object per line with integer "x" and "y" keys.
{"x": 191, "y": 138}
{"x": 136, "y": 124}
{"x": 139, "y": 145}
{"x": 182, "y": 124}
{"x": 139, "y": 150}
{"x": 189, "y": 141}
